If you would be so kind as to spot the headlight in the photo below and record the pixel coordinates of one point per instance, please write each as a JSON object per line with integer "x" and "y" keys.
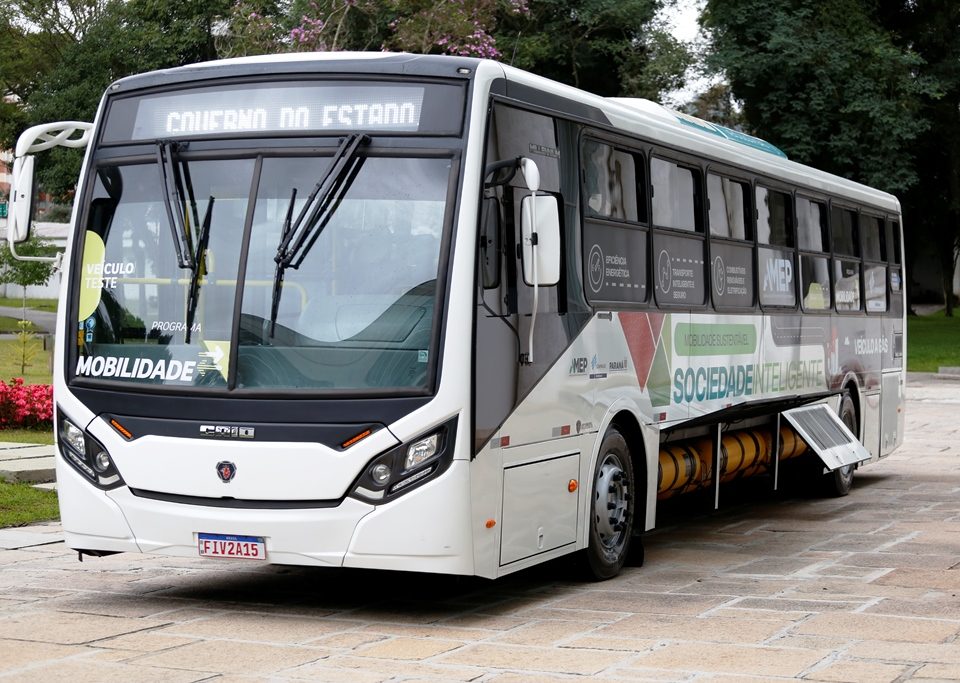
{"x": 85, "y": 454}
{"x": 421, "y": 451}
{"x": 72, "y": 435}
{"x": 405, "y": 467}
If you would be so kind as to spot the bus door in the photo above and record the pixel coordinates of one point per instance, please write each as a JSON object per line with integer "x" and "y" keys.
{"x": 529, "y": 401}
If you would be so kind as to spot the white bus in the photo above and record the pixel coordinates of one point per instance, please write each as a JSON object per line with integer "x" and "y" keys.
{"x": 442, "y": 315}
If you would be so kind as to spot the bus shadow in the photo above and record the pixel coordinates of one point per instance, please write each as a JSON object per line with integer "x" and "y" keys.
{"x": 411, "y": 597}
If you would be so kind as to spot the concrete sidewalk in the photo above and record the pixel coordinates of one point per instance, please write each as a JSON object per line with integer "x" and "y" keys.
{"x": 769, "y": 588}
{"x": 27, "y": 463}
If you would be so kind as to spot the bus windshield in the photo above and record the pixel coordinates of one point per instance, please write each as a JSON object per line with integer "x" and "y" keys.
{"x": 204, "y": 304}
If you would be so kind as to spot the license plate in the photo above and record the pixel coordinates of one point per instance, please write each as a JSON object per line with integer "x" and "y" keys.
{"x": 238, "y": 547}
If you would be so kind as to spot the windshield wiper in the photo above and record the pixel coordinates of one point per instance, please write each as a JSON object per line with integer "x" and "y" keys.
{"x": 199, "y": 269}
{"x": 298, "y": 237}
{"x": 173, "y": 199}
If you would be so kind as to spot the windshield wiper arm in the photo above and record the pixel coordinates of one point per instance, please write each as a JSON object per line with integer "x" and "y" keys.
{"x": 173, "y": 199}
{"x": 278, "y": 275}
{"x": 298, "y": 238}
{"x": 193, "y": 296}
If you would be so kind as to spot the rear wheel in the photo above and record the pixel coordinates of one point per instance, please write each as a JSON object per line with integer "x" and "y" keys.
{"x": 839, "y": 482}
{"x": 611, "y": 509}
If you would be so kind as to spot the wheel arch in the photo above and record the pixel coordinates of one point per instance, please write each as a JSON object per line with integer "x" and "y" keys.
{"x": 851, "y": 386}
{"x": 643, "y": 441}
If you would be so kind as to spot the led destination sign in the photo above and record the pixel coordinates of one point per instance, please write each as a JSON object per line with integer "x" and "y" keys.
{"x": 287, "y": 108}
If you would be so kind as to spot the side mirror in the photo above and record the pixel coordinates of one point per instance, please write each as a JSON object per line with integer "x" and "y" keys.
{"x": 546, "y": 233}
{"x": 21, "y": 200}
{"x": 74, "y": 134}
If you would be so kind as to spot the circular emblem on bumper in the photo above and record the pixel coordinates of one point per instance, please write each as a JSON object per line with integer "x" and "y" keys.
{"x": 226, "y": 471}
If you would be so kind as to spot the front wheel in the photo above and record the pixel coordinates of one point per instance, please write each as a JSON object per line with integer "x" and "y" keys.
{"x": 611, "y": 509}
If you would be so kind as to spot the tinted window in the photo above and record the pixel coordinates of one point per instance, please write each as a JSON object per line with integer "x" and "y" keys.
{"x": 728, "y": 207}
{"x": 815, "y": 282}
{"x": 674, "y": 195}
{"x": 846, "y": 278}
{"x": 892, "y": 241}
{"x": 811, "y": 225}
{"x": 774, "y": 218}
{"x": 844, "y": 224}
{"x": 872, "y": 238}
{"x": 875, "y": 288}
{"x": 613, "y": 182}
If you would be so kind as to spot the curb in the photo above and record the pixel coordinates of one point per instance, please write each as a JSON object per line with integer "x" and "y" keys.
{"x": 28, "y": 471}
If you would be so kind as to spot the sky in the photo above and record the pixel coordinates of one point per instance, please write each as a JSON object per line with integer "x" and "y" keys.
{"x": 681, "y": 16}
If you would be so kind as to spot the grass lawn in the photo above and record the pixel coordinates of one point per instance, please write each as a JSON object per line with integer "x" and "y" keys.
{"x": 41, "y": 436}
{"x": 932, "y": 341}
{"x": 38, "y": 361}
{"x": 10, "y": 325}
{"x": 22, "y": 504}
{"x": 36, "y": 304}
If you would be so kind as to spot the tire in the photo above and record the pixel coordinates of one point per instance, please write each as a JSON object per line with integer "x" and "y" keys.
{"x": 839, "y": 482}
{"x": 612, "y": 506}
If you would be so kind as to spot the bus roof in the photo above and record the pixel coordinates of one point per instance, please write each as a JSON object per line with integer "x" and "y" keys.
{"x": 655, "y": 122}
{"x": 640, "y": 117}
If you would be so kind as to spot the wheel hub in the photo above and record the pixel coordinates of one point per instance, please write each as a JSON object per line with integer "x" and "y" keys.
{"x": 611, "y": 503}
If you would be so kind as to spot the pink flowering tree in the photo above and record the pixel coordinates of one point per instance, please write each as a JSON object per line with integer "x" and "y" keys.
{"x": 252, "y": 27}
{"x": 454, "y": 27}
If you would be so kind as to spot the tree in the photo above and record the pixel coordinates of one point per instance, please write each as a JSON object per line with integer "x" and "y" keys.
{"x": 867, "y": 90}
{"x": 824, "y": 82}
{"x": 110, "y": 40}
{"x": 26, "y": 273}
{"x": 610, "y": 47}
{"x": 931, "y": 28}
{"x": 33, "y": 37}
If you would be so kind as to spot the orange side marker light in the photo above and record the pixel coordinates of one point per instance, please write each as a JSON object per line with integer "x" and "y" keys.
{"x": 120, "y": 428}
{"x": 491, "y": 523}
{"x": 354, "y": 439}
{"x": 572, "y": 485}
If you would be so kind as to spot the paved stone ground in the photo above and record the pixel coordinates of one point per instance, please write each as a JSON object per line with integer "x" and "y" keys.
{"x": 863, "y": 588}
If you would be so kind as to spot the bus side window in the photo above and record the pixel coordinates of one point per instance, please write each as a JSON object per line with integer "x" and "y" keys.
{"x": 613, "y": 183}
{"x": 875, "y": 269}
{"x": 615, "y": 241}
{"x": 775, "y": 251}
{"x": 894, "y": 272}
{"x": 813, "y": 238}
{"x": 675, "y": 196}
{"x": 871, "y": 238}
{"x": 728, "y": 208}
{"x": 892, "y": 242}
{"x": 678, "y": 252}
{"x": 731, "y": 243}
{"x": 846, "y": 259}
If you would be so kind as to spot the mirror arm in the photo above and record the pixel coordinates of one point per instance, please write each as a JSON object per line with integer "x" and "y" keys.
{"x": 493, "y": 168}
{"x": 56, "y": 260}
